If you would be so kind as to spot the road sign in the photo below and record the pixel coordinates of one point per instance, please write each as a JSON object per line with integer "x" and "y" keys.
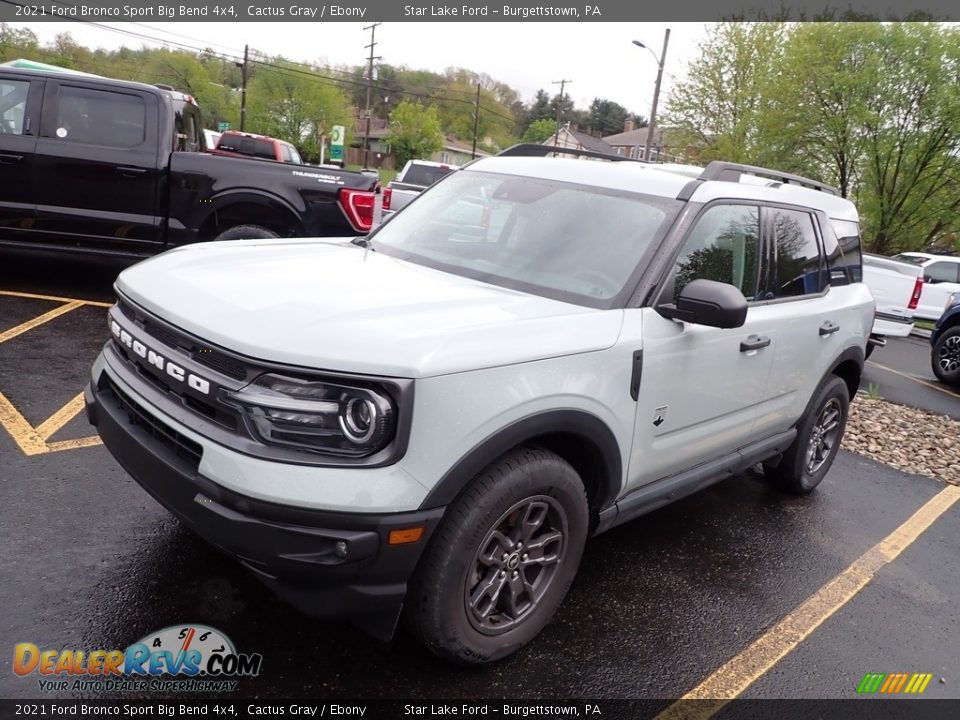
{"x": 223, "y": 127}
{"x": 336, "y": 142}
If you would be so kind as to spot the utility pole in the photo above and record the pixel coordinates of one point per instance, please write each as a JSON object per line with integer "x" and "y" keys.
{"x": 366, "y": 135}
{"x": 656, "y": 97}
{"x": 562, "y": 84}
{"x": 476, "y": 122}
{"x": 243, "y": 87}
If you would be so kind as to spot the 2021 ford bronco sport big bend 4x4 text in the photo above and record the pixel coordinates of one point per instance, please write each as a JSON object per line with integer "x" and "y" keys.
{"x": 435, "y": 418}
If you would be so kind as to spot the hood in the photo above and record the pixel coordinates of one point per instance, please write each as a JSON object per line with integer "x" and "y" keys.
{"x": 334, "y": 306}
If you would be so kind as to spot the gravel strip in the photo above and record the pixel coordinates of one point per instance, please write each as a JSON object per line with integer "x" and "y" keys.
{"x": 911, "y": 440}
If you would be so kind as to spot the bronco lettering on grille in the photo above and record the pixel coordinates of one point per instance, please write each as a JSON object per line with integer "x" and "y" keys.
{"x": 157, "y": 360}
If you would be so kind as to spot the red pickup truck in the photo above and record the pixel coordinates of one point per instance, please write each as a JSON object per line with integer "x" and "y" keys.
{"x": 233, "y": 143}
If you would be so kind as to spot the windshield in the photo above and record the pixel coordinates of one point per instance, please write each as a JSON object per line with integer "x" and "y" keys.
{"x": 560, "y": 240}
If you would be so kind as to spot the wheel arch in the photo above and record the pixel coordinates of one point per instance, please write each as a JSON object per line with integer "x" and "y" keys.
{"x": 849, "y": 368}
{"x": 250, "y": 208}
{"x": 580, "y": 438}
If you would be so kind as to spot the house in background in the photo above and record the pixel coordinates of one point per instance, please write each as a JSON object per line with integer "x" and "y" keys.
{"x": 574, "y": 139}
{"x": 632, "y": 143}
{"x": 455, "y": 152}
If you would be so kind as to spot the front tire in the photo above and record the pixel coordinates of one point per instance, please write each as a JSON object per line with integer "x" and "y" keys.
{"x": 502, "y": 561}
{"x": 809, "y": 458}
{"x": 246, "y": 232}
{"x": 945, "y": 358}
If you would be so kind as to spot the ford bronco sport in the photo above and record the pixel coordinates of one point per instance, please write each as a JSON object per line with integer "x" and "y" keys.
{"x": 429, "y": 422}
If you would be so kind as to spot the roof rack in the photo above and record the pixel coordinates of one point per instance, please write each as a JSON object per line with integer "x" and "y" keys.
{"x": 534, "y": 150}
{"x": 728, "y": 171}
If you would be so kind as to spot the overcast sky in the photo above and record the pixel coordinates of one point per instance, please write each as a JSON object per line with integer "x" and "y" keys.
{"x": 599, "y": 58}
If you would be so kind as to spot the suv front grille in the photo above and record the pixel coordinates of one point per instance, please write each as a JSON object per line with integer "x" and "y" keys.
{"x": 196, "y": 350}
{"x": 184, "y": 447}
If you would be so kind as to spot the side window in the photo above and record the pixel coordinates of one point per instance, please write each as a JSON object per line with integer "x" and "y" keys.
{"x": 100, "y": 117}
{"x": 941, "y": 272}
{"x": 285, "y": 151}
{"x": 13, "y": 106}
{"x": 798, "y": 269}
{"x": 722, "y": 246}
{"x": 848, "y": 235}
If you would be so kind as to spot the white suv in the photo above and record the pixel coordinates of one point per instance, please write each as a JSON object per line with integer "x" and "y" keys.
{"x": 436, "y": 418}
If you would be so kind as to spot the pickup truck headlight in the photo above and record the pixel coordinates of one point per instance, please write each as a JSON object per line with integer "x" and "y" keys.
{"x": 316, "y": 415}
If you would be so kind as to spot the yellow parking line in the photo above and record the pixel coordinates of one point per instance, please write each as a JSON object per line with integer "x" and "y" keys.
{"x": 56, "y": 298}
{"x": 736, "y": 675}
{"x": 915, "y": 379}
{"x": 60, "y": 418}
{"x": 20, "y": 430}
{"x": 74, "y": 444}
{"x": 39, "y": 320}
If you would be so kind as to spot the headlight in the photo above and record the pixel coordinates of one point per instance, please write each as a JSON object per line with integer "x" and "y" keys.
{"x": 317, "y": 416}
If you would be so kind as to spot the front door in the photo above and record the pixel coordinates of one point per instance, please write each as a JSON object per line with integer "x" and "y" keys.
{"x": 701, "y": 386}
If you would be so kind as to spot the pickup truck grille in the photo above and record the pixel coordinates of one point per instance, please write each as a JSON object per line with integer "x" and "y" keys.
{"x": 184, "y": 447}
{"x": 194, "y": 349}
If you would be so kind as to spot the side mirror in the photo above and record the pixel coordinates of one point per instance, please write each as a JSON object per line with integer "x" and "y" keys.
{"x": 708, "y": 302}
{"x": 928, "y": 280}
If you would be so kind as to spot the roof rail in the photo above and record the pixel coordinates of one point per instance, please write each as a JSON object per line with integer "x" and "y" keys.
{"x": 535, "y": 150}
{"x": 728, "y": 171}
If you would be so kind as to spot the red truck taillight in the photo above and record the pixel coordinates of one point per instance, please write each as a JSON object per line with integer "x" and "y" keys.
{"x": 915, "y": 298}
{"x": 387, "y": 198}
{"x": 358, "y": 205}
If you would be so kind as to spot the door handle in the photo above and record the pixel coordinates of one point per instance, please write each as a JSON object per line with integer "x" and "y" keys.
{"x": 828, "y": 328}
{"x": 128, "y": 171}
{"x": 754, "y": 342}
{"x": 8, "y": 159}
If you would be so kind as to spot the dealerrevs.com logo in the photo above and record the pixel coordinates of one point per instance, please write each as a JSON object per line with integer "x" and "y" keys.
{"x": 195, "y": 658}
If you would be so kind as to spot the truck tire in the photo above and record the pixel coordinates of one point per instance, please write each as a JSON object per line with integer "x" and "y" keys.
{"x": 246, "y": 232}
{"x": 809, "y": 458}
{"x": 945, "y": 358}
{"x": 502, "y": 560}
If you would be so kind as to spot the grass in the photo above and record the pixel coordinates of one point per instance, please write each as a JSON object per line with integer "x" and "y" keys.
{"x": 385, "y": 175}
{"x": 925, "y": 324}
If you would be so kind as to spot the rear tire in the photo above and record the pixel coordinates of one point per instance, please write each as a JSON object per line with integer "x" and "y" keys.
{"x": 945, "y": 358}
{"x": 246, "y": 232}
{"x": 502, "y": 560}
{"x": 819, "y": 433}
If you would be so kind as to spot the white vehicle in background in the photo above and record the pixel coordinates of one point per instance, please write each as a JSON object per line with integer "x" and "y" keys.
{"x": 416, "y": 176}
{"x": 896, "y": 287}
{"x": 941, "y": 278}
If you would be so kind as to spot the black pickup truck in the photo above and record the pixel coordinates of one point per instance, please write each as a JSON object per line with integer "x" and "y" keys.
{"x": 99, "y": 165}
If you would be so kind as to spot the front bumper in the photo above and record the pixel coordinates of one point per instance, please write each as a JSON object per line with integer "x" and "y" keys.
{"x": 326, "y": 563}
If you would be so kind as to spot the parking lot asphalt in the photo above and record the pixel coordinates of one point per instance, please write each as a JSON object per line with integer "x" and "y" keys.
{"x": 901, "y": 372}
{"x": 737, "y": 589}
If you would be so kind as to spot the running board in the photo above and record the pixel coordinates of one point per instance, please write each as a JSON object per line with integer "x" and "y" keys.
{"x": 673, "y": 487}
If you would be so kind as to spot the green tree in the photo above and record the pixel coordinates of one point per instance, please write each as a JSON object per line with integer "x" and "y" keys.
{"x": 719, "y": 106}
{"x": 606, "y": 117}
{"x": 539, "y": 131}
{"x": 286, "y": 102}
{"x": 414, "y": 132}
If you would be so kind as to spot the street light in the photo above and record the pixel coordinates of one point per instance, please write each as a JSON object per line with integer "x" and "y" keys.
{"x": 656, "y": 91}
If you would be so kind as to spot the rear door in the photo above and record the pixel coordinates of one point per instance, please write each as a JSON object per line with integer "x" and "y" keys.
{"x": 96, "y": 166}
{"x": 20, "y": 100}
{"x": 813, "y": 318}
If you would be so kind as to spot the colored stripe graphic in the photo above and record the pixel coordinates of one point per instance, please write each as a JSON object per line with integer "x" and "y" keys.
{"x": 894, "y": 683}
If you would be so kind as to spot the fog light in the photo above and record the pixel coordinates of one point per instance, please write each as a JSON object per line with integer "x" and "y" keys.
{"x": 340, "y": 549}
